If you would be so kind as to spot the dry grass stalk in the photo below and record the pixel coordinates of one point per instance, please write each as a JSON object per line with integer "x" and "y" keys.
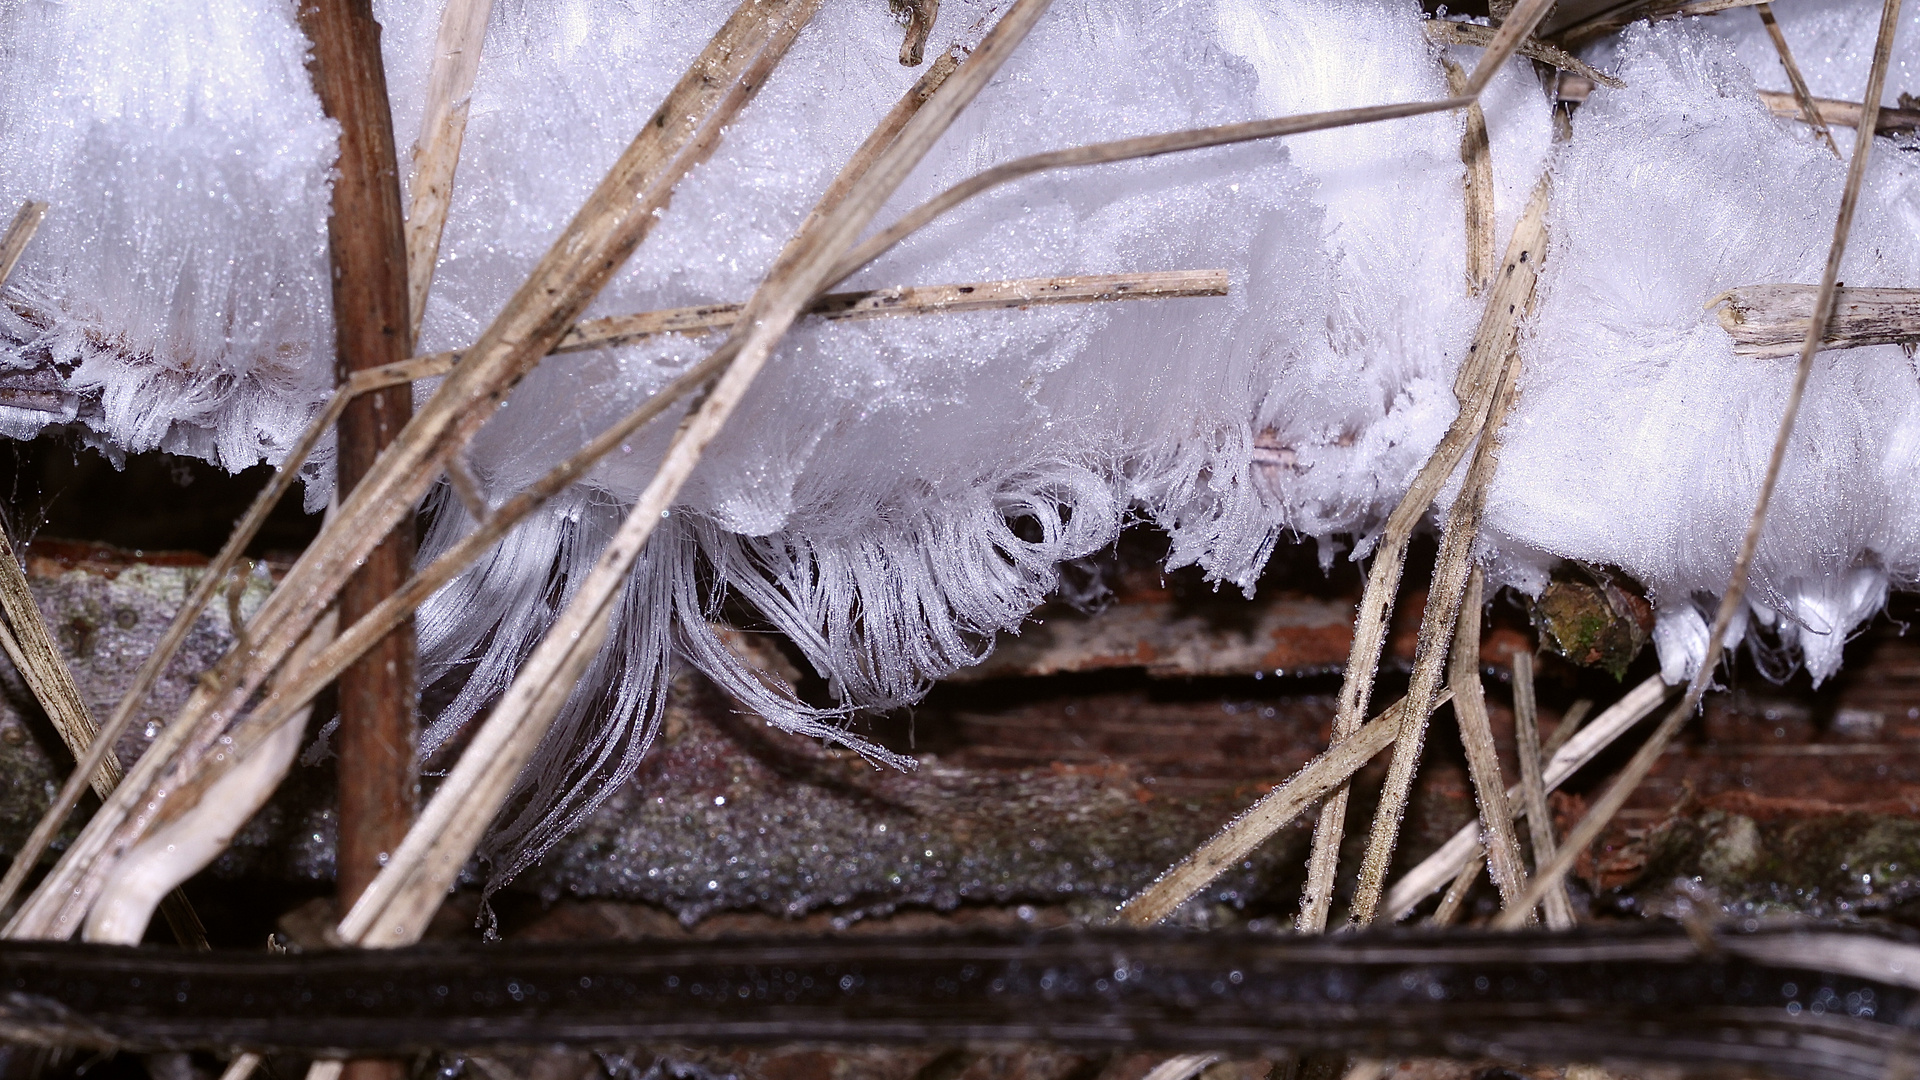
{"x": 1272, "y": 812}
{"x": 1620, "y": 16}
{"x": 1181, "y": 1067}
{"x": 1476, "y": 153}
{"x": 1771, "y": 320}
{"x": 1809, "y": 108}
{"x": 1845, "y": 114}
{"x": 1451, "y": 32}
{"x": 1449, "y": 908}
{"x": 1474, "y": 388}
{"x": 1463, "y": 846}
{"x": 920, "y": 17}
{"x": 1476, "y": 860}
{"x": 1557, "y": 908}
{"x": 1483, "y": 757}
{"x": 1493, "y": 346}
{"x": 396, "y": 907}
{"x": 616, "y": 217}
{"x": 26, "y": 221}
{"x": 1450, "y": 575}
{"x": 436, "y": 156}
{"x": 1609, "y": 804}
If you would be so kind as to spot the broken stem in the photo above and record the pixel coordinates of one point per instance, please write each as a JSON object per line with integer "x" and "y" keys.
{"x": 1483, "y": 757}
{"x": 1526, "y": 731}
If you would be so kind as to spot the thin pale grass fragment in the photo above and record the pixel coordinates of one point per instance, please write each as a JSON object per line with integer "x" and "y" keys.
{"x": 1448, "y": 910}
{"x": 1483, "y": 757}
{"x": 1845, "y": 114}
{"x": 1769, "y": 321}
{"x": 1809, "y": 108}
{"x": 1181, "y": 1067}
{"x": 1453, "y": 32}
{"x": 1476, "y": 153}
{"x": 395, "y": 908}
{"x": 1557, "y": 908}
{"x": 1317, "y": 778}
{"x": 436, "y": 154}
{"x": 593, "y": 246}
{"x": 242, "y": 1066}
{"x": 1566, "y": 759}
{"x": 1603, "y": 810}
{"x": 1474, "y": 389}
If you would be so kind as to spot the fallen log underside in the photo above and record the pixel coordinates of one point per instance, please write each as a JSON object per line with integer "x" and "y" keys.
{"x": 1790, "y": 1002}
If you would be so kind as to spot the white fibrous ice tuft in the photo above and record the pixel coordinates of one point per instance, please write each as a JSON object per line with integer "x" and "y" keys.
{"x": 894, "y": 494}
{"x": 1642, "y": 439}
{"x": 179, "y": 287}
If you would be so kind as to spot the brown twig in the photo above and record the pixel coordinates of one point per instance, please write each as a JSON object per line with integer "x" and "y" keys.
{"x": 1768, "y": 321}
{"x": 436, "y": 154}
{"x": 1483, "y": 757}
{"x": 1526, "y": 729}
{"x": 1609, "y": 804}
{"x": 1620, "y": 16}
{"x": 1809, "y": 109}
{"x": 920, "y": 16}
{"x": 367, "y": 240}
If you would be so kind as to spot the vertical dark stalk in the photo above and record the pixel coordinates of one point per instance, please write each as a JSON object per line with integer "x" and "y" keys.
{"x": 367, "y": 242}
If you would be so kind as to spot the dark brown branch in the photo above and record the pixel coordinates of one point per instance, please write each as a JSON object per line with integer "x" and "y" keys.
{"x": 1788, "y": 1002}
{"x": 366, "y": 236}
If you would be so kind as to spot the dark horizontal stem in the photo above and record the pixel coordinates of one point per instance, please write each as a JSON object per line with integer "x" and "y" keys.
{"x": 1796, "y": 1003}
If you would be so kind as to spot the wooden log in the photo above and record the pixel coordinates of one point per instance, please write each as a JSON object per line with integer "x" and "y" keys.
{"x": 1788, "y": 1002}
{"x": 1771, "y": 320}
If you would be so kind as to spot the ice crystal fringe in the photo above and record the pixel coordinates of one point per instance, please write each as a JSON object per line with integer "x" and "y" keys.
{"x": 891, "y": 497}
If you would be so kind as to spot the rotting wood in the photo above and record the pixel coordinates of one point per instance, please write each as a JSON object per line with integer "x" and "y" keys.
{"x": 436, "y": 154}
{"x": 29, "y": 644}
{"x": 1483, "y": 757}
{"x": 615, "y": 218}
{"x": 1453, "y": 32}
{"x": 397, "y": 906}
{"x": 1274, "y": 810}
{"x": 1809, "y": 108}
{"x": 1437, "y": 869}
{"x": 1476, "y": 154}
{"x": 1769, "y": 321}
{"x": 1732, "y": 599}
{"x": 1557, "y": 909}
{"x": 1649, "y": 995}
